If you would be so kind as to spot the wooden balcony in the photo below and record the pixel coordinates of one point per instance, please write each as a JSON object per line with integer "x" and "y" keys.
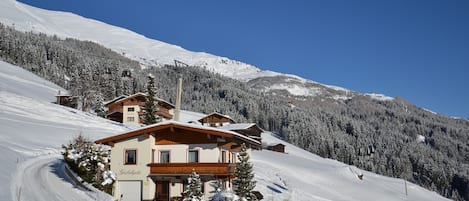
{"x": 159, "y": 113}
{"x": 215, "y": 169}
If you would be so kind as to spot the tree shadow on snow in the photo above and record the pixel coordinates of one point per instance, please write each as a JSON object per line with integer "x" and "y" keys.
{"x": 274, "y": 189}
{"x": 280, "y": 186}
{"x": 59, "y": 169}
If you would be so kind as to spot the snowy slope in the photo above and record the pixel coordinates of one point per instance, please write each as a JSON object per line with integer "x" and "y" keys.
{"x": 33, "y": 129}
{"x": 135, "y": 46}
{"x": 31, "y": 132}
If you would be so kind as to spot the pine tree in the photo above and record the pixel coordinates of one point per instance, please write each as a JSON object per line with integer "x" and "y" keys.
{"x": 244, "y": 182}
{"x": 194, "y": 188}
{"x": 149, "y": 116}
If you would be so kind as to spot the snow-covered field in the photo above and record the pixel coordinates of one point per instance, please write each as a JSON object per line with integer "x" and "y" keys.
{"x": 33, "y": 129}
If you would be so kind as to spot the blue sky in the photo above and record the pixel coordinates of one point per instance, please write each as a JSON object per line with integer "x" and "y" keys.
{"x": 418, "y": 49}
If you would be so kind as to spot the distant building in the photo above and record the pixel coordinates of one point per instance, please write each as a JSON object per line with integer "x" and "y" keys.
{"x": 66, "y": 100}
{"x": 276, "y": 147}
{"x": 216, "y": 119}
{"x": 129, "y": 109}
{"x": 247, "y": 129}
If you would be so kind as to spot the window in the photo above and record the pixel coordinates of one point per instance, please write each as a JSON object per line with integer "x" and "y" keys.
{"x": 223, "y": 156}
{"x": 130, "y": 119}
{"x": 130, "y": 109}
{"x": 233, "y": 157}
{"x": 130, "y": 157}
{"x": 164, "y": 157}
{"x": 193, "y": 156}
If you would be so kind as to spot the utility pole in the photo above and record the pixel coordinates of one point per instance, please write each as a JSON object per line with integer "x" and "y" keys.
{"x": 405, "y": 184}
{"x": 178, "y": 100}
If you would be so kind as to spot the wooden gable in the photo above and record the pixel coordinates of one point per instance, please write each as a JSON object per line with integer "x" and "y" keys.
{"x": 253, "y": 130}
{"x": 216, "y": 118}
{"x": 182, "y": 136}
{"x": 137, "y": 99}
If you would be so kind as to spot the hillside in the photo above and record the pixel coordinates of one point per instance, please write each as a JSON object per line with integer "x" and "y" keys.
{"x": 34, "y": 129}
{"x": 330, "y": 121}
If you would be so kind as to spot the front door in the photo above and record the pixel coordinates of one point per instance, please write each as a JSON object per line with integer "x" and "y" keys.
{"x": 162, "y": 190}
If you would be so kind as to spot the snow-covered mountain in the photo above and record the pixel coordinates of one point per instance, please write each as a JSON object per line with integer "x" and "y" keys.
{"x": 133, "y": 45}
{"x": 33, "y": 129}
{"x": 149, "y": 51}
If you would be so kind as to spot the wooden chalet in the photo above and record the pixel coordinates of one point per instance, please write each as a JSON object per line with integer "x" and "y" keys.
{"x": 250, "y": 130}
{"x": 66, "y": 100}
{"x": 216, "y": 119}
{"x": 154, "y": 162}
{"x": 129, "y": 109}
{"x": 276, "y": 147}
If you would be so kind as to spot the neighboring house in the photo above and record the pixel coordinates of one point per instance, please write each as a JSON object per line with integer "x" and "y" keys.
{"x": 66, "y": 100}
{"x": 129, "y": 109}
{"x": 154, "y": 162}
{"x": 276, "y": 147}
{"x": 248, "y": 129}
{"x": 216, "y": 119}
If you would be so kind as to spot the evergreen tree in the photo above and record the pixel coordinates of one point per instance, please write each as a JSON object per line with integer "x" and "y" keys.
{"x": 244, "y": 182}
{"x": 99, "y": 105}
{"x": 149, "y": 116}
{"x": 194, "y": 188}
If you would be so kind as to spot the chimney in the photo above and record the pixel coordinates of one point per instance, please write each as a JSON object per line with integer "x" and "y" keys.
{"x": 178, "y": 100}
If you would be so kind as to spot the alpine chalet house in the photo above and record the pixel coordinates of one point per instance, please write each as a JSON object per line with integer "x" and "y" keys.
{"x": 225, "y": 122}
{"x": 154, "y": 162}
{"x": 128, "y": 109}
{"x": 66, "y": 100}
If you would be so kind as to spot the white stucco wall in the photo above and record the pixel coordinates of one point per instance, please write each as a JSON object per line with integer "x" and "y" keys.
{"x": 139, "y": 171}
{"x": 179, "y": 153}
{"x": 133, "y": 114}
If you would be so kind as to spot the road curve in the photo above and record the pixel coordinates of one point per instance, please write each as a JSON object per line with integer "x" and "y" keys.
{"x": 43, "y": 178}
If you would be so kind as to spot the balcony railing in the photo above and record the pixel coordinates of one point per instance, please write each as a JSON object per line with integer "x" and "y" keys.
{"x": 216, "y": 169}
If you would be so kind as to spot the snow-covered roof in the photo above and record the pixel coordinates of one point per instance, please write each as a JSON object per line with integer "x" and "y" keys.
{"x": 124, "y": 97}
{"x": 164, "y": 101}
{"x": 240, "y": 126}
{"x": 61, "y": 93}
{"x": 189, "y": 116}
{"x": 165, "y": 124}
{"x": 114, "y": 100}
{"x": 132, "y": 96}
{"x": 219, "y": 114}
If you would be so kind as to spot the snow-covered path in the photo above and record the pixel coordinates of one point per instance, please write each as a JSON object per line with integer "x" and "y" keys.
{"x": 43, "y": 178}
